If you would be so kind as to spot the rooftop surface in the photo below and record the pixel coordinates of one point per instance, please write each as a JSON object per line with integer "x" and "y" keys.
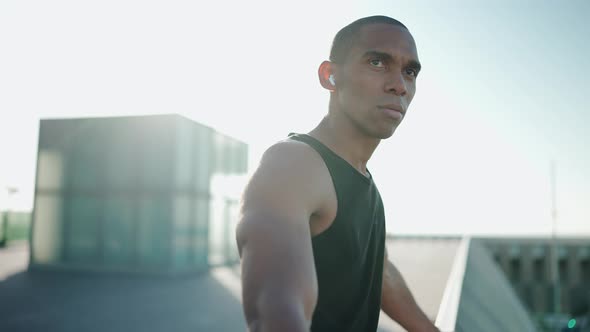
{"x": 80, "y": 301}
{"x": 76, "y": 301}
{"x": 425, "y": 264}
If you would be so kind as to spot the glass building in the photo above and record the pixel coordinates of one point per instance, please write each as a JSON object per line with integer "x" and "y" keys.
{"x": 155, "y": 194}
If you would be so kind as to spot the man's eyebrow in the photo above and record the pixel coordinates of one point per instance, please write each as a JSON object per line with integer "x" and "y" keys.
{"x": 377, "y": 54}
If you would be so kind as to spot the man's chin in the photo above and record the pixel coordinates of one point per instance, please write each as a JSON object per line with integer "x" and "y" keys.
{"x": 386, "y": 133}
{"x": 386, "y": 136}
{"x": 381, "y": 132}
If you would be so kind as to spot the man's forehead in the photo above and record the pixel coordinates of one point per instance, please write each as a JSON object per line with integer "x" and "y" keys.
{"x": 386, "y": 38}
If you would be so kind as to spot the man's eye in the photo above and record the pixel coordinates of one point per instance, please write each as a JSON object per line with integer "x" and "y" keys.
{"x": 377, "y": 63}
{"x": 411, "y": 72}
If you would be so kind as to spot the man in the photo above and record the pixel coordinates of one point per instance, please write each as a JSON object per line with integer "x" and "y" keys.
{"x": 312, "y": 228}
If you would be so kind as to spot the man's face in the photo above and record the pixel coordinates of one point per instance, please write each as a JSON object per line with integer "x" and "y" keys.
{"x": 377, "y": 81}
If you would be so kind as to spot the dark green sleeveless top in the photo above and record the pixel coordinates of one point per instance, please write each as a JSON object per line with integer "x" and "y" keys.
{"x": 349, "y": 254}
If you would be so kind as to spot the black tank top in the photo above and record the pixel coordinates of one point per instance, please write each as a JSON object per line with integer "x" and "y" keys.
{"x": 349, "y": 254}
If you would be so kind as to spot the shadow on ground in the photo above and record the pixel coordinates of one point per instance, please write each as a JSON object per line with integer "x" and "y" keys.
{"x": 65, "y": 301}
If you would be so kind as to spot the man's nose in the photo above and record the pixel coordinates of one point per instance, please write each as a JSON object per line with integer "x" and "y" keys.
{"x": 396, "y": 84}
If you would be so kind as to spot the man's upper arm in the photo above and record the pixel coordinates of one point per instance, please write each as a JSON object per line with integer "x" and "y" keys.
{"x": 273, "y": 232}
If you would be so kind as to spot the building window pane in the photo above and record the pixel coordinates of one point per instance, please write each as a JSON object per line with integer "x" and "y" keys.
{"x": 515, "y": 269}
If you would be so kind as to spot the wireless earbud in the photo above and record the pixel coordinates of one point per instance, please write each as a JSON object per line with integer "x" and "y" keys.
{"x": 332, "y": 81}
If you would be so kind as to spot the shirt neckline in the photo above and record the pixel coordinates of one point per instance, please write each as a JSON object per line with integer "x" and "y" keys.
{"x": 368, "y": 178}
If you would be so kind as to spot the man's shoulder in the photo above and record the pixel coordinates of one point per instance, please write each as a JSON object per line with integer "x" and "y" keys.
{"x": 292, "y": 166}
{"x": 289, "y": 180}
{"x": 290, "y": 154}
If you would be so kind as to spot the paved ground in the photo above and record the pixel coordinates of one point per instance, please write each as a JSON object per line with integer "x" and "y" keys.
{"x": 68, "y": 301}
{"x": 59, "y": 301}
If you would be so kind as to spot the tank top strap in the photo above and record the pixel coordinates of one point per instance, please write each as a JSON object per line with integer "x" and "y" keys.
{"x": 330, "y": 157}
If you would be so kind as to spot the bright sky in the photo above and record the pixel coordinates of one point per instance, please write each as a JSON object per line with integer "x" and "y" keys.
{"x": 502, "y": 92}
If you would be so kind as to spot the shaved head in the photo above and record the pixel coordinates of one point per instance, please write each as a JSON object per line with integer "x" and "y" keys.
{"x": 348, "y": 36}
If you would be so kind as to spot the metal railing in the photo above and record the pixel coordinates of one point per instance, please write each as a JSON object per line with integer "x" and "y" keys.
{"x": 446, "y": 319}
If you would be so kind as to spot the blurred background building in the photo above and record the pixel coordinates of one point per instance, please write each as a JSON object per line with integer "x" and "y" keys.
{"x": 143, "y": 193}
{"x": 552, "y": 279}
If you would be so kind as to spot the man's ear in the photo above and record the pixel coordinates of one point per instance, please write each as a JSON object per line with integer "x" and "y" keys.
{"x": 326, "y": 76}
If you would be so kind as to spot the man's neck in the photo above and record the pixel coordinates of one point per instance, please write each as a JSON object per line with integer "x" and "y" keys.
{"x": 346, "y": 140}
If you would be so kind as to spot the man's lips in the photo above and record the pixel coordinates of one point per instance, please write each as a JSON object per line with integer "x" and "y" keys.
{"x": 392, "y": 110}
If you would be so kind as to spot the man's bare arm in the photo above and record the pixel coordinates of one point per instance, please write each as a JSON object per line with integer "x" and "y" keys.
{"x": 399, "y": 304}
{"x": 278, "y": 272}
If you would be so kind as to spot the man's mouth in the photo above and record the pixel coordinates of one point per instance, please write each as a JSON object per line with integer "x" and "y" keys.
{"x": 393, "y": 111}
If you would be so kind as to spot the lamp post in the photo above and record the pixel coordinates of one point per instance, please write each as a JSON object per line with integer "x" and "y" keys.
{"x": 4, "y": 222}
{"x": 554, "y": 253}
